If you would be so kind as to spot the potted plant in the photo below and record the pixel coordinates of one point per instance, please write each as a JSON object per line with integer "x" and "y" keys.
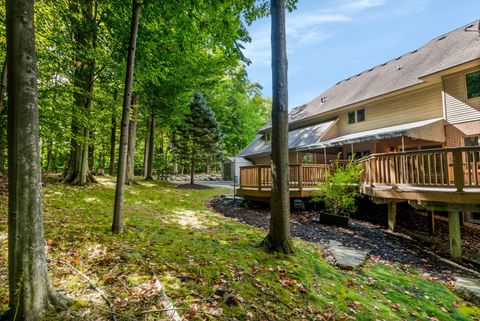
{"x": 339, "y": 192}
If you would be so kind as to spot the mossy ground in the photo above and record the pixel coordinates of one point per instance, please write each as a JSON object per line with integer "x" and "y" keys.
{"x": 171, "y": 235}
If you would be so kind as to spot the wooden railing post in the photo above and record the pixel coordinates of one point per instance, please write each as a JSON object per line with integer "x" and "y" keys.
{"x": 259, "y": 175}
{"x": 300, "y": 177}
{"x": 393, "y": 172}
{"x": 458, "y": 170}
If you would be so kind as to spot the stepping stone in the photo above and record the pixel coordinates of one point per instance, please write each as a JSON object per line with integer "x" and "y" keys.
{"x": 469, "y": 289}
{"x": 345, "y": 257}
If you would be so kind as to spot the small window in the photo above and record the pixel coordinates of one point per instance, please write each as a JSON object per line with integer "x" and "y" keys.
{"x": 356, "y": 116}
{"x": 308, "y": 158}
{"x": 351, "y": 117}
{"x": 473, "y": 84}
{"x": 360, "y": 115}
{"x": 268, "y": 137}
{"x": 472, "y": 141}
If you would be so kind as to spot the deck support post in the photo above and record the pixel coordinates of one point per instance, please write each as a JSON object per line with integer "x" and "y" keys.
{"x": 455, "y": 235}
{"x": 431, "y": 222}
{"x": 392, "y": 216}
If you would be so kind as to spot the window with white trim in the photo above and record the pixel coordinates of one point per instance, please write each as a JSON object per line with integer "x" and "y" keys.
{"x": 473, "y": 84}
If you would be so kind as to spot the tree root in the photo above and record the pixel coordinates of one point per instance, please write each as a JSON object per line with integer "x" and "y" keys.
{"x": 285, "y": 247}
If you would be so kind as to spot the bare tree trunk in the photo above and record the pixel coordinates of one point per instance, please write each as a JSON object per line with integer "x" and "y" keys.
{"x": 78, "y": 172}
{"x": 31, "y": 292}
{"x": 148, "y": 175}
{"x": 117, "y": 225}
{"x": 49, "y": 156}
{"x": 113, "y": 137}
{"x": 174, "y": 153}
{"x": 145, "y": 149}
{"x": 132, "y": 136}
{"x": 279, "y": 236}
{"x": 192, "y": 169}
{"x": 3, "y": 85}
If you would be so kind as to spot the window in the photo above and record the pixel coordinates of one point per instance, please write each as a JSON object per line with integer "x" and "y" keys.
{"x": 472, "y": 141}
{"x": 351, "y": 117}
{"x": 356, "y": 116}
{"x": 473, "y": 84}
{"x": 268, "y": 137}
{"x": 360, "y": 115}
{"x": 308, "y": 158}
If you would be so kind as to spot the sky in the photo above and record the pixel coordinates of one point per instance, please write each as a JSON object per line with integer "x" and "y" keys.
{"x": 330, "y": 40}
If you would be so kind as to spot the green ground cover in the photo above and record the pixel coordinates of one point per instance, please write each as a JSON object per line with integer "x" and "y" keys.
{"x": 172, "y": 236}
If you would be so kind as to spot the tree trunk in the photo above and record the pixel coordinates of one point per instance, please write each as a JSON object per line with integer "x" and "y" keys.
{"x": 174, "y": 153}
{"x": 279, "y": 236}
{"x": 117, "y": 225}
{"x": 113, "y": 137}
{"x": 132, "y": 136}
{"x": 78, "y": 172}
{"x": 31, "y": 292}
{"x": 145, "y": 149}
{"x": 148, "y": 175}
{"x": 192, "y": 169}
{"x": 3, "y": 85}
{"x": 49, "y": 157}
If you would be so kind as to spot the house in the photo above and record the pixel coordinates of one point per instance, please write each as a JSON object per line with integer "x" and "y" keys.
{"x": 413, "y": 121}
{"x": 427, "y": 98}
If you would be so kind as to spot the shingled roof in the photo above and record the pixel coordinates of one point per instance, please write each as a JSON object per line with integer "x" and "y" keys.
{"x": 296, "y": 138}
{"x": 454, "y": 48}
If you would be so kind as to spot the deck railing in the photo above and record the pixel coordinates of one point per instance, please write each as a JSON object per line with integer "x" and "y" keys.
{"x": 300, "y": 176}
{"x": 445, "y": 167}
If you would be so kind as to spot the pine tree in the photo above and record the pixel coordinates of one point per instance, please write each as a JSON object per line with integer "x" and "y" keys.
{"x": 201, "y": 137}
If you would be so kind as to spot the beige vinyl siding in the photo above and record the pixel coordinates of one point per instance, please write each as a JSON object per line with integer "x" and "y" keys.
{"x": 458, "y": 108}
{"x": 406, "y": 108}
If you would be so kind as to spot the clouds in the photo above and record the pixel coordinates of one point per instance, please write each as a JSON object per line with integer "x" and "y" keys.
{"x": 319, "y": 35}
{"x": 305, "y": 28}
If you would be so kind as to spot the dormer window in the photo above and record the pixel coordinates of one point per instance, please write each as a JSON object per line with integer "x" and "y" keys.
{"x": 473, "y": 84}
{"x": 268, "y": 137}
{"x": 356, "y": 116}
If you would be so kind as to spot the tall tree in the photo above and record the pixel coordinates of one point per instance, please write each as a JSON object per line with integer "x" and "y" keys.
{"x": 279, "y": 236}
{"x": 151, "y": 149}
{"x": 113, "y": 137}
{"x": 117, "y": 225}
{"x": 84, "y": 76}
{"x": 132, "y": 136}
{"x": 31, "y": 291}
{"x": 201, "y": 135}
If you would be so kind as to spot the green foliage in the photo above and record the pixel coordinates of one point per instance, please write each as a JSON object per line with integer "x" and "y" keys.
{"x": 201, "y": 134}
{"x": 173, "y": 236}
{"x": 340, "y": 190}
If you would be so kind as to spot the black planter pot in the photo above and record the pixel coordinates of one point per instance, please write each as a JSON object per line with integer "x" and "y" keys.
{"x": 333, "y": 219}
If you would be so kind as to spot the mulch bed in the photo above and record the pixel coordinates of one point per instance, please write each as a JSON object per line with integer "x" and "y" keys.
{"x": 382, "y": 245}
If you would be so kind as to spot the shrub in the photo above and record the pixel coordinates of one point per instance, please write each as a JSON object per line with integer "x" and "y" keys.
{"x": 341, "y": 188}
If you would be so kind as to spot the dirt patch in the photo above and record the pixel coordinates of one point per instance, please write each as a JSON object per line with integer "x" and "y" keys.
{"x": 194, "y": 186}
{"x": 361, "y": 235}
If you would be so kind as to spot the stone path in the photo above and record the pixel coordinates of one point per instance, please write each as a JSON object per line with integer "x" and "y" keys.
{"x": 345, "y": 257}
{"x": 469, "y": 289}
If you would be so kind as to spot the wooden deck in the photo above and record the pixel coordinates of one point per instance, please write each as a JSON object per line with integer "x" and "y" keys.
{"x": 450, "y": 175}
{"x": 446, "y": 179}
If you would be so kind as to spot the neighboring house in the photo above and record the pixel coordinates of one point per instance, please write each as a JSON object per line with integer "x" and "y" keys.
{"x": 427, "y": 98}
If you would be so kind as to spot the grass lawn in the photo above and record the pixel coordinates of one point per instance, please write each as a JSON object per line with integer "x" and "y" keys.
{"x": 171, "y": 235}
